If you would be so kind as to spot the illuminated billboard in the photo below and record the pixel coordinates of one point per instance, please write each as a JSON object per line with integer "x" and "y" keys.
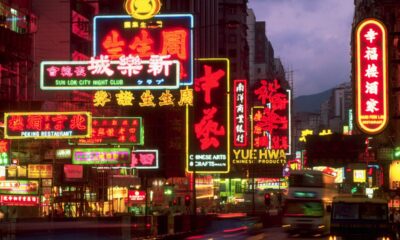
{"x": 144, "y": 159}
{"x": 165, "y": 35}
{"x": 240, "y": 120}
{"x": 145, "y": 98}
{"x": 40, "y": 171}
{"x": 13, "y": 200}
{"x": 371, "y": 76}
{"x": 271, "y": 117}
{"x": 47, "y": 125}
{"x": 19, "y": 187}
{"x": 87, "y": 156}
{"x": 208, "y": 128}
{"x": 127, "y": 72}
{"x": 115, "y": 130}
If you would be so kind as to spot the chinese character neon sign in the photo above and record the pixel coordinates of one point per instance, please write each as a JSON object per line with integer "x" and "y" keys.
{"x": 13, "y": 200}
{"x": 140, "y": 9}
{"x": 173, "y": 37}
{"x": 208, "y": 141}
{"x": 128, "y": 72}
{"x": 144, "y": 159}
{"x": 115, "y": 130}
{"x": 371, "y": 76}
{"x": 101, "y": 155}
{"x": 47, "y": 125}
{"x": 270, "y": 121}
{"x": 240, "y": 113}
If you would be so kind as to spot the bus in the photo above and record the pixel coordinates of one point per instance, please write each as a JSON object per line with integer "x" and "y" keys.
{"x": 360, "y": 217}
{"x": 305, "y": 209}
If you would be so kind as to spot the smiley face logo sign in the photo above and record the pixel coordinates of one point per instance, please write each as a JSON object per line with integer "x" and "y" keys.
{"x": 142, "y": 9}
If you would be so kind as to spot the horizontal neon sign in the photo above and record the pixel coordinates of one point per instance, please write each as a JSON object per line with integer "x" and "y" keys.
{"x": 144, "y": 159}
{"x": 115, "y": 130}
{"x": 129, "y": 72}
{"x": 47, "y": 125}
{"x": 10, "y": 200}
{"x": 22, "y": 187}
{"x": 101, "y": 155}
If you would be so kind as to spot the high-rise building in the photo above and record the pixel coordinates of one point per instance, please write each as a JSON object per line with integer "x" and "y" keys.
{"x": 232, "y": 36}
{"x": 17, "y": 26}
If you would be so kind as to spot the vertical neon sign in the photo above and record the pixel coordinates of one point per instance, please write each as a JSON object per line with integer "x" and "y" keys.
{"x": 240, "y": 113}
{"x": 371, "y": 76}
{"x": 208, "y": 128}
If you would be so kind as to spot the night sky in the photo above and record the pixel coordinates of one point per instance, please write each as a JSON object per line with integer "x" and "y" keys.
{"x": 312, "y": 38}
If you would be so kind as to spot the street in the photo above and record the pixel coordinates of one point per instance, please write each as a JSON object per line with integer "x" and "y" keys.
{"x": 275, "y": 233}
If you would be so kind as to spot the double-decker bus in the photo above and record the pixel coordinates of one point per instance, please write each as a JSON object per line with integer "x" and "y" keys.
{"x": 306, "y": 210}
{"x": 360, "y": 217}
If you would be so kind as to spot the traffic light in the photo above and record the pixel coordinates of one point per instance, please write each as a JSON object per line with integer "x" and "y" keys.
{"x": 187, "y": 200}
{"x": 267, "y": 199}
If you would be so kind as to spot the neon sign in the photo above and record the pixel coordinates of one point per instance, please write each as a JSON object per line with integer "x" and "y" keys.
{"x": 371, "y": 76}
{"x": 144, "y": 159}
{"x": 136, "y": 196}
{"x": 47, "y": 125}
{"x": 12, "y": 200}
{"x": 115, "y": 130}
{"x": 270, "y": 121}
{"x": 22, "y": 187}
{"x": 101, "y": 155}
{"x": 40, "y": 171}
{"x": 167, "y": 98}
{"x": 208, "y": 138}
{"x": 4, "y": 148}
{"x": 240, "y": 113}
{"x": 259, "y": 156}
{"x": 118, "y": 35}
{"x": 128, "y": 72}
{"x": 140, "y": 9}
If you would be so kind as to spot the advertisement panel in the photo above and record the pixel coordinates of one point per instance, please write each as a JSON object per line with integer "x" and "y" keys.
{"x": 40, "y": 171}
{"x": 371, "y": 76}
{"x": 240, "y": 119}
{"x": 47, "y": 125}
{"x": 12, "y": 200}
{"x": 115, "y": 130}
{"x": 144, "y": 159}
{"x": 128, "y": 72}
{"x": 101, "y": 156}
{"x": 208, "y": 138}
{"x": 19, "y": 187}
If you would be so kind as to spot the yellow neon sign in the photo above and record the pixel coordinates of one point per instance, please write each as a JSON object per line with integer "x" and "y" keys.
{"x": 142, "y": 9}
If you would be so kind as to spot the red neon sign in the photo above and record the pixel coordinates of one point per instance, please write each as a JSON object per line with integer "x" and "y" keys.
{"x": 45, "y": 125}
{"x": 174, "y": 43}
{"x": 240, "y": 113}
{"x": 12, "y": 200}
{"x": 371, "y": 76}
{"x": 136, "y": 195}
{"x": 115, "y": 130}
{"x": 271, "y": 120}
